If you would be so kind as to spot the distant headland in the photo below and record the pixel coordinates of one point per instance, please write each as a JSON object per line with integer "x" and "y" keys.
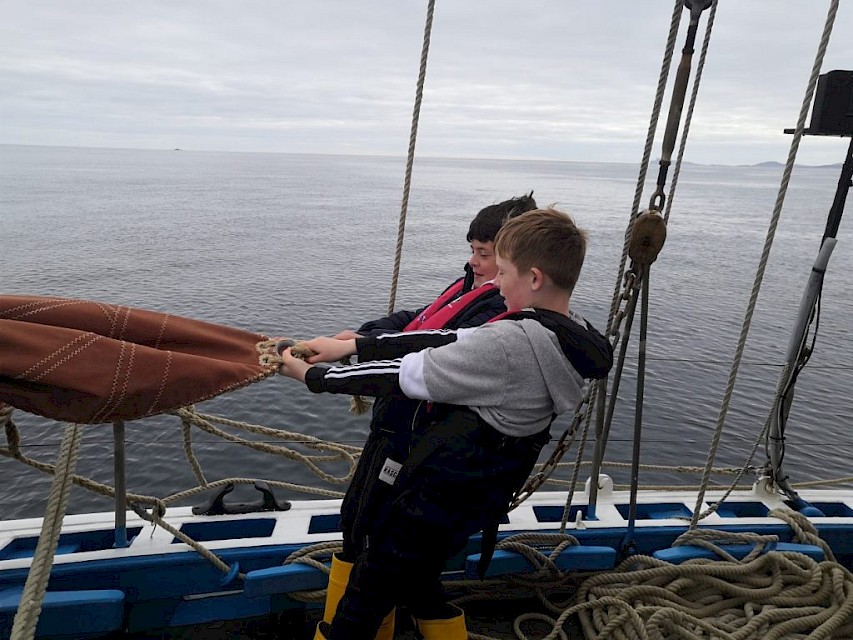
{"x": 771, "y": 164}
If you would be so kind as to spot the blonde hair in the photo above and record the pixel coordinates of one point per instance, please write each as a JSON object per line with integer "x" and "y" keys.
{"x": 548, "y": 240}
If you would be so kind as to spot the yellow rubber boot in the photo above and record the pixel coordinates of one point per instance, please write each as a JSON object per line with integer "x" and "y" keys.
{"x": 444, "y": 628}
{"x": 338, "y": 580}
{"x": 386, "y": 629}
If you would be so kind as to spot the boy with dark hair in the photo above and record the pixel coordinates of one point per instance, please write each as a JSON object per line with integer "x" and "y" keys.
{"x": 468, "y": 302}
{"x": 494, "y": 391}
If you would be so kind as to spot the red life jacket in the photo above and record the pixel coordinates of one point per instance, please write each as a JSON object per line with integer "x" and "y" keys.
{"x": 447, "y": 306}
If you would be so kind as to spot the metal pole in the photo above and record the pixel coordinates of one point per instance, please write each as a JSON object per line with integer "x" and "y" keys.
{"x": 796, "y": 353}
{"x": 602, "y": 437}
{"x": 598, "y": 453}
{"x": 628, "y": 544}
{"x": 119, "y": 468}
{"x": 679, "y": 91}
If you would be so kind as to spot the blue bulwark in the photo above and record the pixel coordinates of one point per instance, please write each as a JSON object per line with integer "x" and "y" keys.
{"x": 677, "y": 555}
{"x": 192, "y": 610}
{"x": 70, "y": 614}
{"x": 284, "y": 579}
{"x": 578, "y": 558}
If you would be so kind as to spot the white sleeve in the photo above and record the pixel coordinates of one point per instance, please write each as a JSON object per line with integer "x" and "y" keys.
{"x": 412, "y": 376}
{"x": 412, "y": 369}
{"x": 463, "y": 334}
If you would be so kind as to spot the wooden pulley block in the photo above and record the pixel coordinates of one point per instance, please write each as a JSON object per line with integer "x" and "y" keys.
{"x": 647, "y": 237}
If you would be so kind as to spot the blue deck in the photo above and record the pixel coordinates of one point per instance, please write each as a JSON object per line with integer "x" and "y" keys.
{"x": 175, "y": 589}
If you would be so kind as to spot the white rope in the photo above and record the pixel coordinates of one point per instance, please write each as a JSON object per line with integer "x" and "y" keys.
{"x": 410, "y": 159}
{"x": 29, "y": 609}
{"x": 765, "y": 595}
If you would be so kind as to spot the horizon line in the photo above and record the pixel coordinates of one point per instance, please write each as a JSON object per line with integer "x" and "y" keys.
{"x": 766, "y": 163}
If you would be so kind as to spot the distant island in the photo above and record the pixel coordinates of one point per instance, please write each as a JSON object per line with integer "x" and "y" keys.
{"x": 770, "y": 164}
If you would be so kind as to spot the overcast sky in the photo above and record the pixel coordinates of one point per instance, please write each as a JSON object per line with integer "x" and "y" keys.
{"x": 556, "y": 79}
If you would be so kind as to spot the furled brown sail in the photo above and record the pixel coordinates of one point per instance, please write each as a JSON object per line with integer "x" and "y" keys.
{"x": 90, "y": 362}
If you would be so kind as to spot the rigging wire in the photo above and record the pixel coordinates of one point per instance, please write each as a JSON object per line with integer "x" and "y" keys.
{"x": 675, "y": 21}
{"x": 649, "y": 229}
{"x": 698, "y": 513}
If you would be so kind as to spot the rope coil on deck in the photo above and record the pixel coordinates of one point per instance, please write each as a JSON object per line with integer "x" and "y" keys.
{"x": 766, "y": 595}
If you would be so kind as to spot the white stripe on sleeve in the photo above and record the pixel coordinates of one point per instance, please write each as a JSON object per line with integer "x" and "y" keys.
{"x": 375, "y": 367}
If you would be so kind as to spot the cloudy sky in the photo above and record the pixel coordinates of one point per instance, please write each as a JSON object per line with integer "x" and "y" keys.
{"x": 550, "y": 79}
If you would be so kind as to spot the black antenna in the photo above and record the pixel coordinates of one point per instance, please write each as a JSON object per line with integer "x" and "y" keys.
{"x": 832, "y": 115}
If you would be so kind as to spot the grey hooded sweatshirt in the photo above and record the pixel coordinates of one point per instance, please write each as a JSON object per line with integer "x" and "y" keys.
{"x": 515, "y": 373}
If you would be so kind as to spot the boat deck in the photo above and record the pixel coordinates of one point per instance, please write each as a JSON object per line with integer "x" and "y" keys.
{"x": 490, "y": 619}
{"x": 158, "y": 587}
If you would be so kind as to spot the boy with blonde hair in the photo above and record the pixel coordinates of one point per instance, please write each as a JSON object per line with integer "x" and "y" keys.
{"x": 492, "y": 393}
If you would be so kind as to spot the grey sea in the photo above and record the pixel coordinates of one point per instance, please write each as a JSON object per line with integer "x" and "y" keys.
{"x": 303, "y": 245}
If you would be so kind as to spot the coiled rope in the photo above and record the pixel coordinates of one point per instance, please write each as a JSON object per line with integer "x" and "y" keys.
{"x": 766, "y": 595}
{"x": 770, "y": 596}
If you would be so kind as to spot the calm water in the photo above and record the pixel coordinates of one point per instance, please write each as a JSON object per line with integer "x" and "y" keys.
{"x": 302, "y": 245}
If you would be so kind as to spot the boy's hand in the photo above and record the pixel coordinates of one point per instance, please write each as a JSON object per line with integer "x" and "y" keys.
{"x": 293, "y": 367}
{"x": 329, "y": 349}
{"x": 347, "y": 335}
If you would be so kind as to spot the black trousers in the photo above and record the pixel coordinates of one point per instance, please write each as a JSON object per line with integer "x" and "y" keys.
{"x": 390, "y": 436}
{"x": 459, "y": 478}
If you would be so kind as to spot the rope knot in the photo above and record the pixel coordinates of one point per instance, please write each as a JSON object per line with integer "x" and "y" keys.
{"x": 12, "y": 435}
{"x": 270, "y": 356}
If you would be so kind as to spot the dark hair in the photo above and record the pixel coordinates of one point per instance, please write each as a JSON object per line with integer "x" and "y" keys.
{"x": 486, "y": 224}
